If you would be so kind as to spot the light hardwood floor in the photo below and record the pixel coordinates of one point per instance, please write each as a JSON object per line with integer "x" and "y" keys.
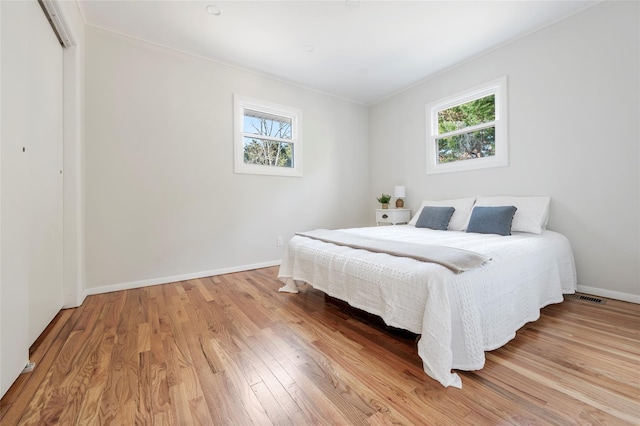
{"x": 232, "y": 350}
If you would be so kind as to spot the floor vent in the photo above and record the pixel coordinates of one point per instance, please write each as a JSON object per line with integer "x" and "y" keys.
{"x": 585, "y": 298}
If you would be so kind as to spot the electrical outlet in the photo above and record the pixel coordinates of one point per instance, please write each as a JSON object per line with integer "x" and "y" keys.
{"x": 278, "y": 241}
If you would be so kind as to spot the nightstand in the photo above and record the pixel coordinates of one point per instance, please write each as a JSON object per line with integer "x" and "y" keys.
{"x": 392, "y": 216}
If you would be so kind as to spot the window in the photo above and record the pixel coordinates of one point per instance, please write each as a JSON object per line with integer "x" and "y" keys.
{"x": 267, "y": 138}
{"x": 468, "y": 130}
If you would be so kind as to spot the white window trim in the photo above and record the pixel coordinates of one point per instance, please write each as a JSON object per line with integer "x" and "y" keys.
{"x": 498, "y": 87}
{"x": 243, "y": 102}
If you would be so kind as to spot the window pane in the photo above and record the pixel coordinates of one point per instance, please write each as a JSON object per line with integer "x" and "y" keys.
{"x": 479, "y": 111}
{"x": 267, "y": 152}
{"x": 481, "y": 143}
{"x": 260, "y": 123}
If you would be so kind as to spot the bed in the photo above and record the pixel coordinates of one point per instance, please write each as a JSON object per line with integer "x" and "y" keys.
{"x": 459, "y": 314}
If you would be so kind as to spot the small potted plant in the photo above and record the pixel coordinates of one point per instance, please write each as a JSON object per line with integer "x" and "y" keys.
{"x": 384, "y": 200}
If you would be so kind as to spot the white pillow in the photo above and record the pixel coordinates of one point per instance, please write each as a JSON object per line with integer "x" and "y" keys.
{"x": 460, "y": 216}
{"x": 532, "y": 214}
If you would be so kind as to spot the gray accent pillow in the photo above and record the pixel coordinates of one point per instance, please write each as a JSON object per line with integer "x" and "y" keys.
{"x": 435, "y": 217}
{"x": 491, "y": 220}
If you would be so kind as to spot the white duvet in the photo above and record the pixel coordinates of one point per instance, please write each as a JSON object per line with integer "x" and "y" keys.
{"x": 459, "y": 316}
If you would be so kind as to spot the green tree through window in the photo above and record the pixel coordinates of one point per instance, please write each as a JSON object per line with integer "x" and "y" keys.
{"x": 468, "y": 130}
{"x": 265, "y": 139}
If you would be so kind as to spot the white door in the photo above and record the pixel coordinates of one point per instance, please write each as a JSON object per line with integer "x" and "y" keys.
{"x": 31, "y": 182}
{"x": 44, "y": 156}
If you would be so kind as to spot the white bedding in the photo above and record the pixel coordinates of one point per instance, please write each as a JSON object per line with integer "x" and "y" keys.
{"x": 459, "y": 316}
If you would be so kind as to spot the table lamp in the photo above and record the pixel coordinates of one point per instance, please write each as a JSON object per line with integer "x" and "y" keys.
{"x": 399, "y": 192}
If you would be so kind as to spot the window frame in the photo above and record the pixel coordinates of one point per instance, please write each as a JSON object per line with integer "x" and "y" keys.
{"x": 497, "y": 87}
{"x": 242, "y": 103}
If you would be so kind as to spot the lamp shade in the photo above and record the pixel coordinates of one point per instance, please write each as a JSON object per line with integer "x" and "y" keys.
{"x": 399, "y": 192}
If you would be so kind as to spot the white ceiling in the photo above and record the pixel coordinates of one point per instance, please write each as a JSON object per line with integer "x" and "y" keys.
{"x": 363, "y": 50}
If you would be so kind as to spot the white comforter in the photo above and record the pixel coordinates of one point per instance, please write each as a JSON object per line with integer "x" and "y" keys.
{"x": 459, "y": 316}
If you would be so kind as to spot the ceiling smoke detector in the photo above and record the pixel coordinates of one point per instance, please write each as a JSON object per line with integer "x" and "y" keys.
{"x": 214, "y": 10}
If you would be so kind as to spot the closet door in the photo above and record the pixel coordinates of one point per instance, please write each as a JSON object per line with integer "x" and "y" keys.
{"x": 44, "y": 157}
{"x": 31, "y": 182}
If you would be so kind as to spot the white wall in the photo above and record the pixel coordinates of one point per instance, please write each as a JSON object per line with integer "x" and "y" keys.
{"x": 162, "y": 201}
{"x": 574, "y": 135}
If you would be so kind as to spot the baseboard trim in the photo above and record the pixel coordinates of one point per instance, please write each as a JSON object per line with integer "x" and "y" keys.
{"x": 175, "y": 278}
{"x": 595, "y": 291}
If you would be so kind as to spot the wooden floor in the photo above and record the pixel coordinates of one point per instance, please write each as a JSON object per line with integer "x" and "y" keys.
{"x": 232, "y": 350}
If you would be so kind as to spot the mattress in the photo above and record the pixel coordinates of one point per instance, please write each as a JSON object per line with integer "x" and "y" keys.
{"x": 458, "y": 315}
